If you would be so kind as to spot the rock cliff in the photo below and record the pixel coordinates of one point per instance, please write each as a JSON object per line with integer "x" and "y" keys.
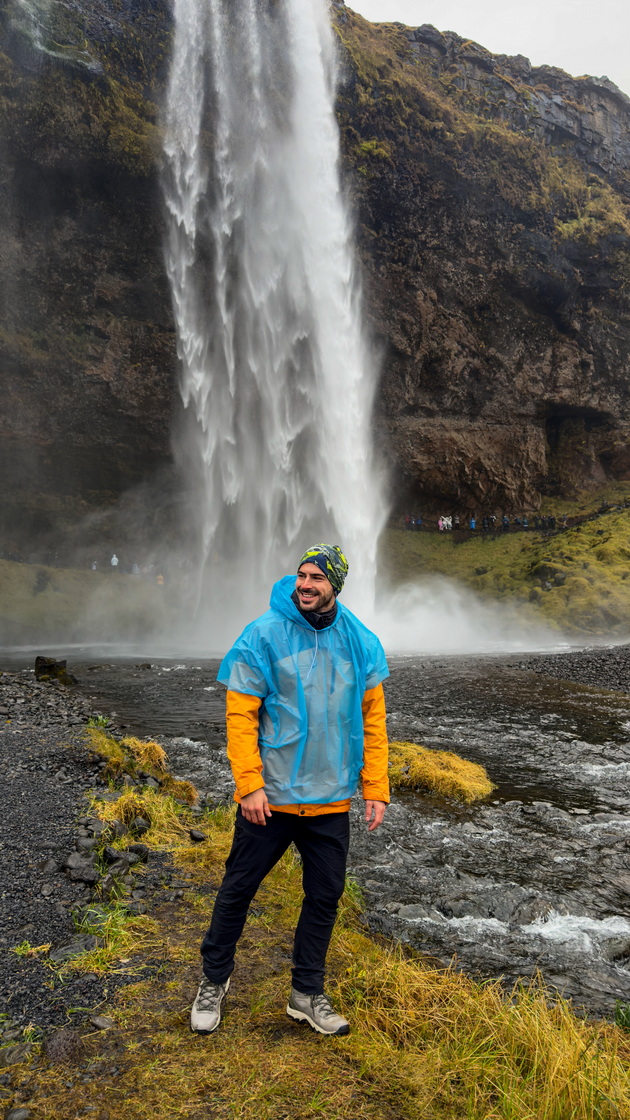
{"x": 495, "y": 234}
{"x": 492, "y": 203}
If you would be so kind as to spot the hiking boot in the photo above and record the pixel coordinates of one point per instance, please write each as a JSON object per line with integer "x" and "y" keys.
{"x": 318, "y": 1012}
{"x": 206, "y": 1010}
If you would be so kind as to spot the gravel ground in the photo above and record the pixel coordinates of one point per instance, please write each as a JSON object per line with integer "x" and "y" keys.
{"x": 598, "y": 667}
{"x": 46, "y": 773}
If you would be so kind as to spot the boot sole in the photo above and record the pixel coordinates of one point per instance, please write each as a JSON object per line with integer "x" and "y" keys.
{"x": 302, "y": 1017}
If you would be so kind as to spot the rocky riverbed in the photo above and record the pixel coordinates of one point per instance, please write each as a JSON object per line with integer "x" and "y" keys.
{"x": 537, "y": 877}
{"x": 47, "y": 879}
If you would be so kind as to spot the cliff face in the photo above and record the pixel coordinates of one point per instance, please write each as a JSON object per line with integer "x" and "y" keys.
{"x": 87, "y": 349}
{"x": 492, "y": 219}
{"x": 495, "y": 233}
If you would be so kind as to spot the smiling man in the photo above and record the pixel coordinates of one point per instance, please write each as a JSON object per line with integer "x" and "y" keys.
{"x": 305, "y": 722}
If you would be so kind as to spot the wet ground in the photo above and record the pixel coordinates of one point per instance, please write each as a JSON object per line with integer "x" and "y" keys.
{"x": 535, "y": 878}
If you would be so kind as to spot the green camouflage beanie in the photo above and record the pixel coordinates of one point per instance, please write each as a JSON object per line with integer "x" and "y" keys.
{"x": 332, "y": 562}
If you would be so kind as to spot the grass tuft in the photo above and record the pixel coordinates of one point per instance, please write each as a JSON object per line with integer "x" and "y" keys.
{"x": 147, "y": 754}
{"x": 415, "y": 767}
{"x": 108, "y": 749}
{"x": 181, "y": 790}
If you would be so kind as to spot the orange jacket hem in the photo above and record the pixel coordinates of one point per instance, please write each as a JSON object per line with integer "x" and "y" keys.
{"x": 242, "y": 717}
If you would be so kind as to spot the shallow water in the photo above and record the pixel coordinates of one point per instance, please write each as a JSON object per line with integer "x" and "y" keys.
{"x": 536, "y": 877}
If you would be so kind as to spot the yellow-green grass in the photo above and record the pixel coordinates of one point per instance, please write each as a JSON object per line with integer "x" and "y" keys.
{"x": 412, "y": 766}
{"x": 426, "y": 1043}
{"x": 577, "y": 580}
{"x": 43, "y": 604}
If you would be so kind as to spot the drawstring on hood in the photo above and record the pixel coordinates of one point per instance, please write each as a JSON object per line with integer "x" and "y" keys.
{"x": 311, "y": 732}
{"x": 313, "y": 662}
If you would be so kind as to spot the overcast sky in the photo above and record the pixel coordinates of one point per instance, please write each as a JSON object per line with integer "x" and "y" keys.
{"x": 581, "y": 36}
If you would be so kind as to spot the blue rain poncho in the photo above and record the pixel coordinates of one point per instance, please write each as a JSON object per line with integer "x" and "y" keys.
{"x": 311, "y": 683}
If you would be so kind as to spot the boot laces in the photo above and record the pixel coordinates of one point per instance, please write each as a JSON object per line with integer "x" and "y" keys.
{"x": 323, "y": 1005}
{"x": 208, "y": 995}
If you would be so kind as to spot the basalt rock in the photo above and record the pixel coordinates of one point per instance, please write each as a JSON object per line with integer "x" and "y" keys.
{"x": 494, "y": 232}
{"x": 491, "y": 201}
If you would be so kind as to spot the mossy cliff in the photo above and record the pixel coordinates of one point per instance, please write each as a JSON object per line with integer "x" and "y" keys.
{"x": 492, "y": 222}
{"x": 494, "y": 225}
{"x": 86, "y": 340}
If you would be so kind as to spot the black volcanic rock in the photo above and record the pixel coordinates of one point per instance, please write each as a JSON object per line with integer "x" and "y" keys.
{"x": 492, "y": 221}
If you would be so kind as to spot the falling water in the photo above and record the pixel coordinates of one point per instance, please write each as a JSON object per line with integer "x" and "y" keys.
{"x": 277, "y": 379}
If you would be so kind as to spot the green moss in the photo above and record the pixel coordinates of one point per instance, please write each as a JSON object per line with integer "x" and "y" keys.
{"x": 426, "y": 117}
{"x": 576, "y": 579}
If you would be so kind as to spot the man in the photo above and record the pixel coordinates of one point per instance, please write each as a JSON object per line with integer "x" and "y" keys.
{"x": 305, "y": 719}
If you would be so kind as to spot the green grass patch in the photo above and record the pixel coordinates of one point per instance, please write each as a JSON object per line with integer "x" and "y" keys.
{"x": 44, "y": 604}
{"x": 577, "y": 580}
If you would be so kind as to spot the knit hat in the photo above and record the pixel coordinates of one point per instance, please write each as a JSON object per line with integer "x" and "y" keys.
{"x": 332, "y": 562}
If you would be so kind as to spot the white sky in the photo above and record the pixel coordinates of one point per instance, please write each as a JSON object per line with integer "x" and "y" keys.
{"x": 580, "y": 36}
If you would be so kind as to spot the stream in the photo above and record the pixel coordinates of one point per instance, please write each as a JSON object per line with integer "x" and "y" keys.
{"x": 536, "y": 878}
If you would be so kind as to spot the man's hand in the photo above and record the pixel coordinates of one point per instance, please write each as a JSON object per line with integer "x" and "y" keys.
{"x": 255, "y": 807}
{"x": 374, "y": 813}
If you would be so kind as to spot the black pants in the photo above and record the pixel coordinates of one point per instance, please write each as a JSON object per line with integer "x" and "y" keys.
{"x": 322, "y": 842}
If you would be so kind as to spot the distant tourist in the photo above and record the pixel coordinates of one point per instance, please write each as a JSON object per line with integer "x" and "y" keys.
{"x": 440, "y": 524}
{"x": 525, "y": 523}
{"x": 473, "y": 523}
{"x": 505, "y": 523}
{"x": 94, "y": 565}
{"x": 114, "y": 561}
{"x": 456, "y": 521}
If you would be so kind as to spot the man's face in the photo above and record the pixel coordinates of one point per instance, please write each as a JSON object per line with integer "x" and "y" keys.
{"x": 314, "y": 590}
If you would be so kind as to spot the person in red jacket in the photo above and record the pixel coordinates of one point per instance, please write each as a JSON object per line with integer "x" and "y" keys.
{"x": 305, "y": 723}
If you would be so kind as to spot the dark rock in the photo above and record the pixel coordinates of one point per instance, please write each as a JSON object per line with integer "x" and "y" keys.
{"x": 117, "y": 829}
{"x": 196, "y": 835}
{"x": 74, "y": 949}
{"x": 139, "y": 826}
{"x": 120, "y": 866}
{"x": 76, "y": 859}
{"x": 13, "y": 1055}
{"x": 86, "y": 873}
{"x": 136, "y": 906}
{"x": 108, "y": 887}
{"x": 96, "y": 826}
{"x": 46, "y": 668}
{"x": 111, "y": 855}
{"x": 63, "y": 1045}
{"x": 140, "y": 850}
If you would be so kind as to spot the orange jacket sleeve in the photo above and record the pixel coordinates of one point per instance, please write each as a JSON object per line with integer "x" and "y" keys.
{"x": 374, "y": 774}
{"x": 241, "y": 714}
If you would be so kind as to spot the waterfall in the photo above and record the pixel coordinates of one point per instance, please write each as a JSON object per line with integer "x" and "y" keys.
{"x": 277, "y": 379}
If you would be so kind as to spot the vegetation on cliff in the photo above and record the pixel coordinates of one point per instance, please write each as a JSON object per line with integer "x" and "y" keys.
{"x": 576, "y": 579}
{"x": 497, "y": 261}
